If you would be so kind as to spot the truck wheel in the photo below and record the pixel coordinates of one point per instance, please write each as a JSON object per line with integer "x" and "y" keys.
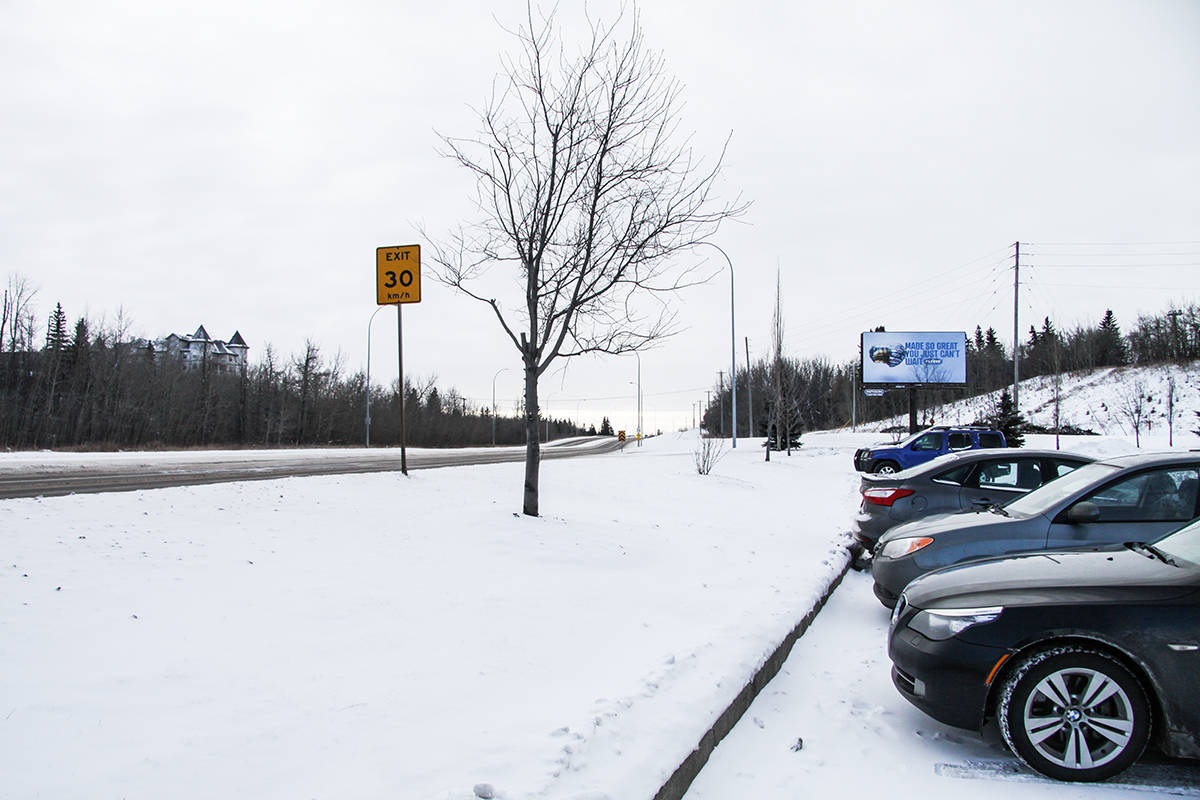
{"x": 887, "y": 468}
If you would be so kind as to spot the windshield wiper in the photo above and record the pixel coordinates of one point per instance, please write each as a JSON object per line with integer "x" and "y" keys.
{"x": 1150, "y": 551}
{"x": 995, "y": 509}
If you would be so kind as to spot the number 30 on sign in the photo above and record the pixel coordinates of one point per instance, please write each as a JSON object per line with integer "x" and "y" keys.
{"x": 398, "y": 274}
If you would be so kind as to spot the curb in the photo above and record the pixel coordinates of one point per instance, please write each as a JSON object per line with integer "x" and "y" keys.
{"x": 681, "y": 779}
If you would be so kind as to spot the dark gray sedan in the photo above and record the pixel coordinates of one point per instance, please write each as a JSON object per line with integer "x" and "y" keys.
{"x": 1083, "y": 658}
{"x": 1125, "y": 498}
{"x": 971, "y": 480}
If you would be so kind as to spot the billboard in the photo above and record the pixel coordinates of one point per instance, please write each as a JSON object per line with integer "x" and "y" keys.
{"x": 914, "y": 358}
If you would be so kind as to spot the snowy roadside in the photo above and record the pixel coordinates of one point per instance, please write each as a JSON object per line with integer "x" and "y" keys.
{"x": 832, "y": 720}
{"x": 368, "y": 636}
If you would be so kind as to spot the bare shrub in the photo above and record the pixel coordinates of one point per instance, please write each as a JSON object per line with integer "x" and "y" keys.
{"x": 708, "y": 453}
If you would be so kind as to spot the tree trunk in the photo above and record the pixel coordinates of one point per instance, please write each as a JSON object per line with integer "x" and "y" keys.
{"x": 533, "y": 448}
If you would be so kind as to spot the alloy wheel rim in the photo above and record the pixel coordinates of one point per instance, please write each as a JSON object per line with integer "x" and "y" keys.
{"x": 1078, "y": 718}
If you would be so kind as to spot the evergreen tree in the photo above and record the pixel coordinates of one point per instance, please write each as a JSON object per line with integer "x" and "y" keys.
{"x": 56, "y": 330}
{"x": 606, "y": 428}
{"x": 1008, "y": 420}
{"x": 1111, "y": 350}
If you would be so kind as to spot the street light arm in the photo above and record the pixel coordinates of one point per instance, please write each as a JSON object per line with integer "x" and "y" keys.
{"x": 367, "y": 419}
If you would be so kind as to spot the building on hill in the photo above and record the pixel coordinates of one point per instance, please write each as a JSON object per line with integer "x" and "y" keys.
{"x": 201, "y": 350}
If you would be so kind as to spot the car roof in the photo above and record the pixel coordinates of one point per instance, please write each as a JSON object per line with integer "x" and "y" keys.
{"x": 984, "y": 453}
{"x": 1038, "y": 452}
{"x": 1129, "y": 460}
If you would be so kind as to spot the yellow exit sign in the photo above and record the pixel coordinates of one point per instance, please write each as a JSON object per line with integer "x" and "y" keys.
{"x": 398, "y": 274}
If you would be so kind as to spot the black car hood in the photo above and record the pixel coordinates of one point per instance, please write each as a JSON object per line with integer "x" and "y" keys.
{"x": 1112, "y": 574}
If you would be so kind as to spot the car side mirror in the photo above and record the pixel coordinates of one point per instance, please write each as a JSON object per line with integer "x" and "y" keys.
{"x": 1083, "y": 512}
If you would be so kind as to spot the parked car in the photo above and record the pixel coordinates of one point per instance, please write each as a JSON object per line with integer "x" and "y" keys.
{"x": 925, "y": 446}
{"x": 971, "y": 480}
{"x": 1083, "y": 657}
{"x": 1125, "y": 498}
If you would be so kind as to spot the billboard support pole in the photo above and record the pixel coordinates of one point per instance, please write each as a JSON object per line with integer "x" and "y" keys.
{"x": 912, "y": 409}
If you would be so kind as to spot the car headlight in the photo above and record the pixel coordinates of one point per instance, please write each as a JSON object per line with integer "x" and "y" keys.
{"x": 898, "y": 548}
{"x": 942, "y": 623}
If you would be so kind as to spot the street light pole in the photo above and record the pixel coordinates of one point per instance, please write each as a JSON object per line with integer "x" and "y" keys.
{"x": 368, "y": 416}
{"x": 639, "y": 398}
{"x": 732, "y": 342}
{"x": 497, "y": 375}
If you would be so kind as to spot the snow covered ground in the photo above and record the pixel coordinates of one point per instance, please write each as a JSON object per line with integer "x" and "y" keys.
{"x": 374, "y": 636}
{"x": 1104, "y": 401}
{"x": 832, "y": 722}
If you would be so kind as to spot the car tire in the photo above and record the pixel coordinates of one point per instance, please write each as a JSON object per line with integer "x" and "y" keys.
{"x": 1074, "y": 714}
{"x": 886, "y": 468}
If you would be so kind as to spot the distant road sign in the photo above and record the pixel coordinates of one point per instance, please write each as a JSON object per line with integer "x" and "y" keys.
{"x": 398, "y": 274}
{"x": 874, "y": 392}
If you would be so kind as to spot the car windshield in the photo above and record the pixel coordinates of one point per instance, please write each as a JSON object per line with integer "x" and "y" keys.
{"x": 1183, "y": 544}
{"x": 1042, "y": 499}
{"x": 906, "y": 441}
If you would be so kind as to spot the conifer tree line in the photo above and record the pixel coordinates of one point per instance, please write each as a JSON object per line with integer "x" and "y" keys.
{"x": 816, "y": 392}
{"x": 93, "y": 386}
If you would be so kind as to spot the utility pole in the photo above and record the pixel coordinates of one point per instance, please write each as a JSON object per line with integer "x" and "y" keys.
{"x": 1016, "y": 327}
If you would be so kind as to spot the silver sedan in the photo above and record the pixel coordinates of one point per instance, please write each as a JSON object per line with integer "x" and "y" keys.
{"x": 1131, "y": 498}
{"x": 971, "y": 480}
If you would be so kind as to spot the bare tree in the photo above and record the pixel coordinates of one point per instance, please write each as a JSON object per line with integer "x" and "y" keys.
{"x": 1170, "y": 410}
{"x": 17, "y": 324}
{"x": 583, "y": 190}
{"x": 707, "y": 453}
{"x": 1132, "y": 405}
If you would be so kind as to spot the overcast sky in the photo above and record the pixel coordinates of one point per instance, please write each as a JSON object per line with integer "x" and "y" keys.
{"x": 236, "y": 163}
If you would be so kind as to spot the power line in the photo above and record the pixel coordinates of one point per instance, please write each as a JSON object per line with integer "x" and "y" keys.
{"x": 1119, "y": 266}
{"x": 1105, "y": 244}
{"x": 1124, "y": 286}
{"x": 1110, "y": 255}
{"x": 967, "y": 282}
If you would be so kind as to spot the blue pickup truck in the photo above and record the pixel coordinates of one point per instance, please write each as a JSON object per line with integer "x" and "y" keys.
{"x": 925, "y": 446}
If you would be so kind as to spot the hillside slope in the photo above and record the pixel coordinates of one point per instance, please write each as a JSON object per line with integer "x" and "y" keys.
{"x": 1103, "y": 401}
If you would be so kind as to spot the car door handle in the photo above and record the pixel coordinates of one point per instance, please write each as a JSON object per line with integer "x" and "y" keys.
{"x": 1184, "y": 648}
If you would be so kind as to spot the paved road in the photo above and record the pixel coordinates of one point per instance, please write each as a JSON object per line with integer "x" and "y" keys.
{"x": 132, "y": 471}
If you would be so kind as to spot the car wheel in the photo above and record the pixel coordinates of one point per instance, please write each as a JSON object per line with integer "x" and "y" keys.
{"x": 1074, "y": 714}
{"x": 886, "y": 468}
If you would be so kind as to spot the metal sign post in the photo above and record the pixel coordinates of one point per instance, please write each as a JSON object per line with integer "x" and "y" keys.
{"x": 398, "y": 281}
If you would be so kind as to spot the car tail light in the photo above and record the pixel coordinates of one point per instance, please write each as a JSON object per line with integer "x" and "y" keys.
{"x": 885, "y": 497}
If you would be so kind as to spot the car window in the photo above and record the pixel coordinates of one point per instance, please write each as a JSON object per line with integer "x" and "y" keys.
{"x": 988, "y": 440}
{"x": 930, "y": 441}
{"x": 1051, "y": 494}
{"x": 1158, "y": 495}
{"x": 956, "y": 475}
{"x": 960, "y": 441}
{"x": 1060, "y": 468}
{"x": 1024, "y": 474}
